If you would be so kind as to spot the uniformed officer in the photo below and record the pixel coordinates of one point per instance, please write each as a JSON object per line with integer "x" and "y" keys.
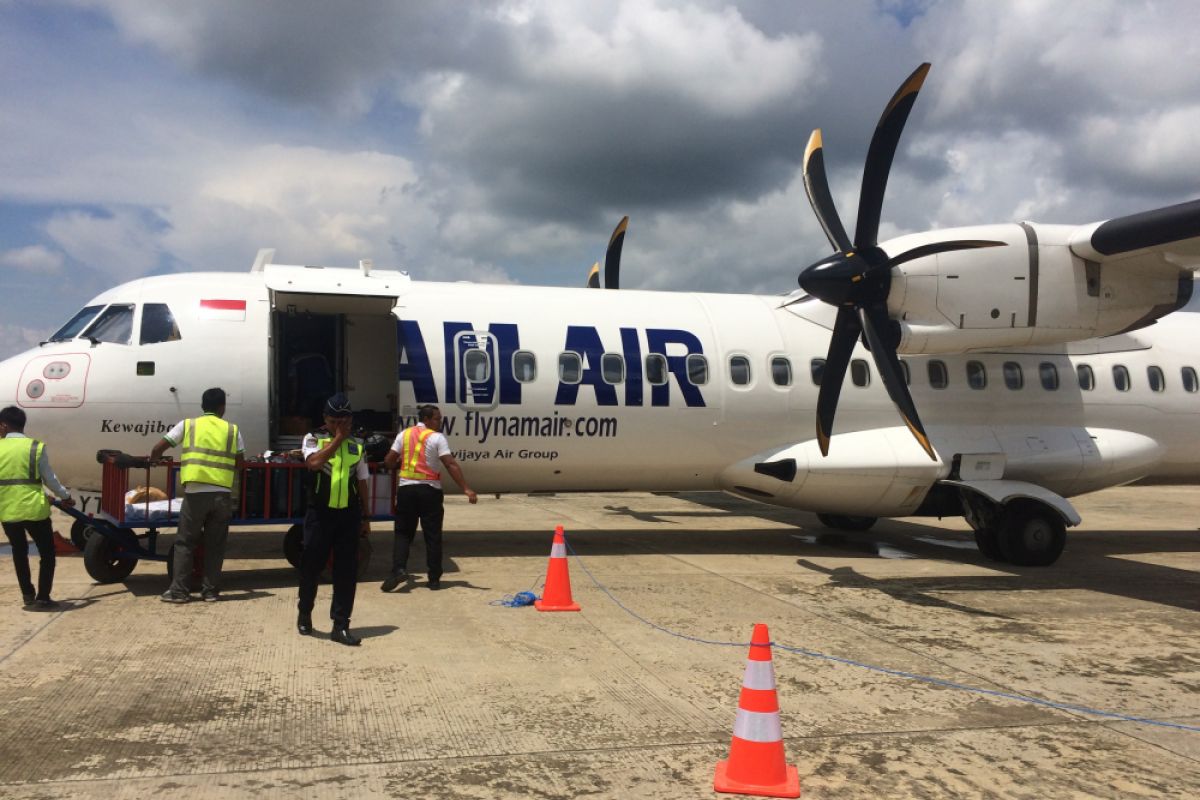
{"x": 24, "y": 507}
{"x": 210, "y": 459}
{"x": 337, "y": 514}
{"x": 421, "y": 452}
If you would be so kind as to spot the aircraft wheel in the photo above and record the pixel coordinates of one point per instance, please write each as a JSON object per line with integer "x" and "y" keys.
{"x": 844, "y": 522}
{"x": 102, "y": 563}
{"x": 988, "y": 542}
{"x": 293, "y": 545}
{"x": 1031, "y": 534}
{"x": 81, "y": 531}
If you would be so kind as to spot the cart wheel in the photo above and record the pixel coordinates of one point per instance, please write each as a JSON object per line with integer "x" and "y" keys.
{"x": 81, "y": 531}
{"x": 101, "y": 561}
{"x": 293, "y": 545}
{"x": 364, "y": 557}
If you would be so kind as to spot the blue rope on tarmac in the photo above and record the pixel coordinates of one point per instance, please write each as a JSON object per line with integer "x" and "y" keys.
{"x": 1024, "y": 698}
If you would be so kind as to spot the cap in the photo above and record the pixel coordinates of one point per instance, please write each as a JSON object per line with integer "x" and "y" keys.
{"x": 338, "y": 406}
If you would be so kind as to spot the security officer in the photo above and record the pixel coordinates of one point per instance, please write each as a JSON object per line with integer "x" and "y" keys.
{"x": 210, "y": 460}
{"x": 24, "y": 507}
{"x": 337, "y": 512}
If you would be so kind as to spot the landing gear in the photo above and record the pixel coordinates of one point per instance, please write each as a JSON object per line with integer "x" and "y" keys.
{"x": 843, "y": 522}
{"x": 986, "y": 539}
{"x": 1031, "y": 535}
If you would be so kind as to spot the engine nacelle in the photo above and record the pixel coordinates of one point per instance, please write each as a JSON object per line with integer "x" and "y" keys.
{"x": 1046, "y": 285}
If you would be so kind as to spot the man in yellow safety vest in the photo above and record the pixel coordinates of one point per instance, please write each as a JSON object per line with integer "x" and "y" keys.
{"x": 24, "y": 508}
{"x": 212, "y": 451}
{"x": 420, "y": 452}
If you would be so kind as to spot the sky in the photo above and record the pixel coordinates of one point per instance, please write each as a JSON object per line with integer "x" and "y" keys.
{"x": 501, "y": 142}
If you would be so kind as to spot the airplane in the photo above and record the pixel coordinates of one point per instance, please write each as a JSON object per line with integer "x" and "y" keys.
{"x": 1047, "y": 361}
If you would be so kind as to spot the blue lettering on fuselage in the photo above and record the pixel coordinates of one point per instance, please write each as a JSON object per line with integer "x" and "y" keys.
{"x": 467, "y": 383}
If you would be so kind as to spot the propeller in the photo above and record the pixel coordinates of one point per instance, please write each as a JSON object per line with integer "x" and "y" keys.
{"x": 857, "y": 277}
{"x": 612, "y": 260}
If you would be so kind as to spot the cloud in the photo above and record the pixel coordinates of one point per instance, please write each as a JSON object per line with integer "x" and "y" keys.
{"x": 34, "y": 258}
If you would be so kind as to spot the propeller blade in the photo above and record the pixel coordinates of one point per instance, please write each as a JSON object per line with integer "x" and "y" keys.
{"x": 879, "y": 158}
{"x": 817, "y": 188}
{"x": 875, "y": 320}
{"x": 841, "y": 344}
{"x": 942, "y": 247}
{"x": 593, "y": 280}
{"x": 612, "y": 257}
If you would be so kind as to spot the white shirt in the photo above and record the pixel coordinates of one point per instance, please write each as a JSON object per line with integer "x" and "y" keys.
{"x": 310, "y": 446}
{"x": 436, "y": 446}
{"x": 175, "y": 437}
{"x": 48, "y": 476}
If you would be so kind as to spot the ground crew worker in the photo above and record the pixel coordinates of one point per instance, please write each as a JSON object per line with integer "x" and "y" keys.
{"x": 210, "y": 461}
{"x": 24, "y": 508}
{"x": 421, "y": 451}
{"x": 337, "y": 514}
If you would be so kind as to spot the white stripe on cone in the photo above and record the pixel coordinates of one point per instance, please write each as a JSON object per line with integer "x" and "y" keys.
{"x": 758, "y": 726}
{"x": 759, "y": 675}
{"x": 558, "y": 551}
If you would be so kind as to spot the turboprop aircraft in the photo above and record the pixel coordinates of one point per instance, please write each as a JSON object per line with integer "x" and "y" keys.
{"x": 1045, "y": 362}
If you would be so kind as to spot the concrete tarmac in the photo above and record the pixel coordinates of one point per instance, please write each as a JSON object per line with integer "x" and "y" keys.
{"x": 453, "y": 696}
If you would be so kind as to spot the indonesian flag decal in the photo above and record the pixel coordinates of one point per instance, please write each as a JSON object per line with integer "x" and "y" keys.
{"x": 231, "y": 310}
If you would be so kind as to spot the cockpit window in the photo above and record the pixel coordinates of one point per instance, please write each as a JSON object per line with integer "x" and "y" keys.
{"x": 158, "y": 324}
{"x": 114, "y": 325}
{"x": 72, "y": 328}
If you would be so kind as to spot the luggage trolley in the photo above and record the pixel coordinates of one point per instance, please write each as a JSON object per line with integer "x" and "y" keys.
{"x": 272, "y": 493}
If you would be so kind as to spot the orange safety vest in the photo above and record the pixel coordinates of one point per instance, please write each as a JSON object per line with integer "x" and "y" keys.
{"x": 413, "y": 466}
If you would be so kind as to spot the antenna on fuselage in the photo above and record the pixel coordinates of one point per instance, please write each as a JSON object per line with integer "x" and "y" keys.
{"x": 265, "y": 256}
{"x": 365, "y": 265}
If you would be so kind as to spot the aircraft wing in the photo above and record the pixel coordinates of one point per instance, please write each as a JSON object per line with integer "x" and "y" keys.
{"x": 1148, "y": 240}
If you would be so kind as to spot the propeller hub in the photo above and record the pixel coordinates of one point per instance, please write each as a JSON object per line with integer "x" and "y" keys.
{"x": 849, "y": 279}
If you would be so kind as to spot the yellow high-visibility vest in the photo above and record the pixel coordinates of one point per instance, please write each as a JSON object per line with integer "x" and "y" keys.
{"x": 21, "y": 495}
{"x": 209, "y": 451}
{"x": 337, "y": 479}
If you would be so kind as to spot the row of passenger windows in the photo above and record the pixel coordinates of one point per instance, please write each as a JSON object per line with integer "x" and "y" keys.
{"x": 612, "y": 370}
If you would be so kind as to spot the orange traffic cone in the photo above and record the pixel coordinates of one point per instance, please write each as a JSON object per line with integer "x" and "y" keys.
{"x": 62, "y": 547}
{"x": 557, "y": 596}
{"x": 756, "y": 762}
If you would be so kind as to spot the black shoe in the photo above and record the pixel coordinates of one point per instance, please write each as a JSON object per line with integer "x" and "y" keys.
{"x": 435, "y": 583}
{"x": 304, "y": 624}
{"x": 210, "y": 596}
{"x": 344, "y": 636}
{"x": 28, "y": 599}
{"x": 392, "y": 581}
{"x": 46, "y": 602}
{"x": 174, "y": 597}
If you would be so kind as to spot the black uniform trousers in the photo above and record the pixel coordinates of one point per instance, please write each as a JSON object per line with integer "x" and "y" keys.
{"x": 331, "y": 530}
{"x": 42, "y": 534}
{"x": 418, "y": 502}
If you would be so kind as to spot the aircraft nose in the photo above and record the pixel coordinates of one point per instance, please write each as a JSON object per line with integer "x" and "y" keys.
{"x": 10, "y": 373}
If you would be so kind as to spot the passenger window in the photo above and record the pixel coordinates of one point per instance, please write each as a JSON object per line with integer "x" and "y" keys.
{"x": 1049, "y": 375}
{"x": 739, "y": 370}
{"x": 860, "y": 372}
{"x": 976, "y": 375}
{"x": 476, "y": 366}
{"x": 907, "y": 373}
{"x": 75, "y": 325}
{"x": 1121, "y": 378}
{"x": 697, "y": 369}
{"x": 1013, "y": 377}
{"x": 115, "y": 325}
{"x": 938, "y": 377}
{"x": 1190, "y": 383}
{"x": 656, "y": 369}
{"x": 158, "y": 324}
{"x": 781, "y": 371}
{"x": 570, "y": 367}
{"x": 1157, "y": 382}
{"x": 524, "y": 366}
{"x": 612, "y": 367}
{"x": 1087, "y": 379}
{"x": 816, "y": 368}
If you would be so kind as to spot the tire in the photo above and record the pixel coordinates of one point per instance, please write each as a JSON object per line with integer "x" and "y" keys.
{"x": 844, "y": 522}
{"x": 101, "y": 561}
{"x": 988, "y": 542}
{"x": 293, "y": 545}
{"x": 1031, "y": 535}
{"x": 81, "y": 531}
